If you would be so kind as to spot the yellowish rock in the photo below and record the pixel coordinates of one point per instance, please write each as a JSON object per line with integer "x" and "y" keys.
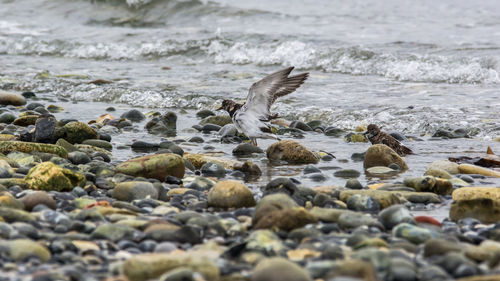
{"x": 48, "y": 176}
{"x": 85, "y": 245}
{"x": 384, "y": 198}
{"x": 302, "y": 254}
{"x": 476, "y": 192}
{"x": 473, "y": 169}
{"x": 148, "y": 266}
{"x": 27, "y": 147}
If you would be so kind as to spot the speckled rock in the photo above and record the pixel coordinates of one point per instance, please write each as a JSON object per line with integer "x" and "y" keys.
{"x": 291, "y": 152}
{"x": 230, "y": 194}
{"x": 157, "y": 166}
{"x": 132, "y": 190}
{"x": 48, "y": 176}
{"x": 27, "y": 147}
{"x": 285, "y": 219}
{"x": 278, "y": 268}
{"x": 382, "y": 155}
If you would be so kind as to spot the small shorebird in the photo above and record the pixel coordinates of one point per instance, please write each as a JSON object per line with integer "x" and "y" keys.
{"x": 376, "y": 136}
{"x": 249, "y": 117}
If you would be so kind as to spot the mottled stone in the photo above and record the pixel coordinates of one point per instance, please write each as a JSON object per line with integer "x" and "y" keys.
{"x": 48, "y": 176}
{"x": 28, "y": 147}
{"x": 133, "y": 190}
{"x": 291, "y": 152}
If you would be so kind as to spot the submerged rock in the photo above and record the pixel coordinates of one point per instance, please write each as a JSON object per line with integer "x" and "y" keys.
{"x": 157, "y": 166}
{"x": 382, "y": 155}
{"x": 291, "y": 152}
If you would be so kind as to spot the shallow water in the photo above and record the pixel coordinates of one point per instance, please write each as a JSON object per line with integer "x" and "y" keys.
{"x": 410, "y": 67}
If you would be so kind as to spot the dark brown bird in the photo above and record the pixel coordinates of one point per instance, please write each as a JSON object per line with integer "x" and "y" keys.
{"x": 376, "y": 136}
{"x": 249, "y": 117}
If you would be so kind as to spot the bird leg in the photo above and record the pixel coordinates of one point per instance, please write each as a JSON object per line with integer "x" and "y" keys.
{"x": 254, "y": 141}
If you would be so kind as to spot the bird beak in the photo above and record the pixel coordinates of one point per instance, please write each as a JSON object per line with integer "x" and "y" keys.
{"x": 367, "y": 135}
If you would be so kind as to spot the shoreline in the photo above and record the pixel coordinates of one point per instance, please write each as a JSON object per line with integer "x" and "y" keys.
{"x": 203, "y": 222}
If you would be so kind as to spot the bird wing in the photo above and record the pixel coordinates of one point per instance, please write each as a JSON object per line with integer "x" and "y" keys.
{"x": 263, "y": 93}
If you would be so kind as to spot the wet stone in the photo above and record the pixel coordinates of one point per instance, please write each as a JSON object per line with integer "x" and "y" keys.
{"x": 133, "y": 115}
{"x": 353, "y": 184}
{"x": 78, "y": 157}
{"x": 212, "y": 169}
{"x": 347, "y": 173}
{"x": 246, "y": 149}
{"x": 363, "y": 203}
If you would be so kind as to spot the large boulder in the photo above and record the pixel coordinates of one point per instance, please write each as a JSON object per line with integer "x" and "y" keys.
{"x": 291, "y": 152}
{"x": 8, "y": 98}
{"x": 382, "y": 155}
{"x": 27, "y": 147}
{"x": 230, "y": 194}
{"x": 48, "y": 176}
{"x": 157, "y": 166}
{"x": 482, "y": 203}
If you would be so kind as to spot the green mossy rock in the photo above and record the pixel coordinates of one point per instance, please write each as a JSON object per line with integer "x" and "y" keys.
{"x": 8, "y": 182}
{"x": 77, "y": 132}
{"x": 220, "y": 120}
{"x": 11, "y": 215}
{"x": 25, "y": 121}
{"x": 28, "y": 147}
{"x": 157, "y": 166}
{"x": 48, "y": 176}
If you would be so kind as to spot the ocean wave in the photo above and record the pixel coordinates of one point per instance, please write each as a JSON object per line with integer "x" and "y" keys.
{"x": 359, "y": 61}
{"x": 352, "y": 60}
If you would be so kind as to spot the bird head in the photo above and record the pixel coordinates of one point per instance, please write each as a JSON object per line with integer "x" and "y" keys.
{"x": 371, "y": 130}
{"x": 229, "y": 106}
